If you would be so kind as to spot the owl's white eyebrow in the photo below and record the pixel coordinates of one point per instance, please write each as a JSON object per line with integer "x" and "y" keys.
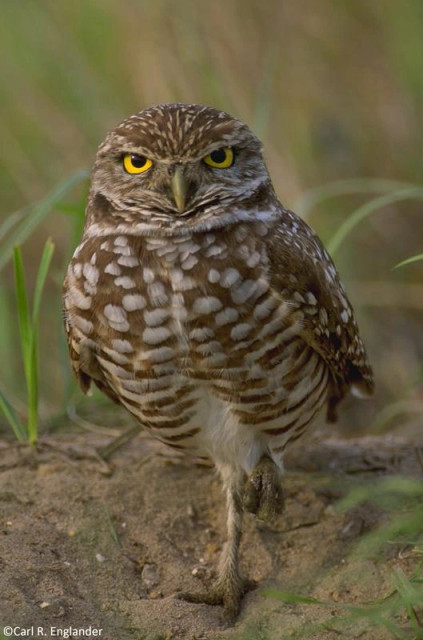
{"x": 135, "y": 152}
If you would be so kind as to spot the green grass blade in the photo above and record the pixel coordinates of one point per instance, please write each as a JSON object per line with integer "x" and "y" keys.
{"x": 24, "y": 318}
{"x": 33, "y": 390}
{"x": 28, "y": 329}
{"x": 41, "y": 278}
{"x": 12, "y": 220}
{"x": 313, "y": 197}
{"x": 36, "y": 214}
{"x": 365, "y": 210}
{"x": 409, "y": 261}
{"x": 12, "y": 418}
{"x": 33, "y": 365}
{"x": 112, "y": 529}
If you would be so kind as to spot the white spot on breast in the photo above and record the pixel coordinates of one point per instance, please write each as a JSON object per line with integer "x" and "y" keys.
{"x": 230, "y": 277}
{"x": 148, "y": 275}
{"x": 113, "y": 269}
{"x": 265, "y": 308}
{"x": 78, "y": 299}
{"x": 180, "y": 281}
{"x": 311, "y": 311}
{"x": 241, "y": 233}
{"x": 119, "y": 326}
{"x": 91, "y": 273}
{"x": 206, "y": 304}
{"x": 125, "y": 282}
{"x": 189, "y": 263}
{"x": 240, "y": 331}
{"x": 310, "y": 298}
{"x": 188, "y": 248}
{"x": 253, "y": 260}
{"x": 78, "y": 250}
{"x": 226, "y": 316}
{"x": 298, "y": 297}
{"x": 105, "y": 246}
{"x": 77, "y": 269}
{"x": 85, "y": 325}
{"x": 155, "y": 317}
{"x": 246, "y": 290}
{"x": 323, "y": 316}
{"x": 201, "y": 334}
{"x": 155, "y": 335}
{"x": 128, "y": 261}
{"x": 156, "y": 293}
{"x": 213, "y": 276}
{"x": 93, "y": 258}
{"x": 216, "y": 360}
{"x": 261, "y": 229}
{"x": 344, "y": 316}
{"x": 243, "y": 252}
{"x": 154, "y": 243}
{"x": 133, "y": 302}
{"x": 121, "y": 241}
{"x": 209, "y": 348}
{"x": 214, "y": 250}
{"x": 164, "y": 250}
{"x": 124, "y": 251}
{"x": 115, "y": 313}
{"x": 156, "y": 356}
{"x": 169, "y": 253}
{"x": 123, "y": 346}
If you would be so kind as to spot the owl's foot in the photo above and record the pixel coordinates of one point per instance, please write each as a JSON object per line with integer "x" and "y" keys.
{"x": 263, "y": 493}
{"x": 224, "y": 593}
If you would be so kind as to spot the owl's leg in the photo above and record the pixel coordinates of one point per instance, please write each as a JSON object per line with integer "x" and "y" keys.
{"x": 229, "y": 587}
{"x": 263, "y": 494}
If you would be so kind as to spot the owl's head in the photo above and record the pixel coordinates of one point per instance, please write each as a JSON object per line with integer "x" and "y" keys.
{"x": 175, "y": 165}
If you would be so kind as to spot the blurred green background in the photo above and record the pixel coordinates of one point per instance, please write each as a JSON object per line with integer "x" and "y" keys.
{"x": 333, "y": 87}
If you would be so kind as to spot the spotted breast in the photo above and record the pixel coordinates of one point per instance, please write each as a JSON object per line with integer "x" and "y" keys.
{"x": 192, "y": 337}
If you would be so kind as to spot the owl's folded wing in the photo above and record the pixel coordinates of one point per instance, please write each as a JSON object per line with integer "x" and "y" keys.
{"x": 82, "y": 354}
{"x": 303, "y": 273}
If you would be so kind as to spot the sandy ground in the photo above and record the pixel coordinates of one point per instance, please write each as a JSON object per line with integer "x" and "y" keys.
{"x": 107, "y": 546}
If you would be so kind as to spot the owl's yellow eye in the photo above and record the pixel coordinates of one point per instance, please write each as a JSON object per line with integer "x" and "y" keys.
{"x": 221, "y": 158}
{"x": 133, "y": 163}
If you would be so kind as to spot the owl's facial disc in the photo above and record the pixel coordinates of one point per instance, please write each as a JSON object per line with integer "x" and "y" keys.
{"x": 177, "y": 164}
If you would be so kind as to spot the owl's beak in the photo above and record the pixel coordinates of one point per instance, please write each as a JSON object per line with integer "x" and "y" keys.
{"x": 179, "y": 186}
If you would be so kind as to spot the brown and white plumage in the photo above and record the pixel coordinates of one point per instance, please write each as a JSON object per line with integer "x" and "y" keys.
{"x": 213, "y": 314}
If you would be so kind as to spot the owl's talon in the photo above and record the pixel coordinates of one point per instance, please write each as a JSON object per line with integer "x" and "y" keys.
{"x": 263, "y": 493}
{"x": 227, "y": 595}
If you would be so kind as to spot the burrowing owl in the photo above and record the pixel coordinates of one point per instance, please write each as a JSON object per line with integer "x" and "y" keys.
{"x": 205, "y": 308}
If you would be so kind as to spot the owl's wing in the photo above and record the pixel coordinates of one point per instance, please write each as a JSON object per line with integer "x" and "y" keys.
{"x": 81, "y": 349}
{"x": 303, "y": 273}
